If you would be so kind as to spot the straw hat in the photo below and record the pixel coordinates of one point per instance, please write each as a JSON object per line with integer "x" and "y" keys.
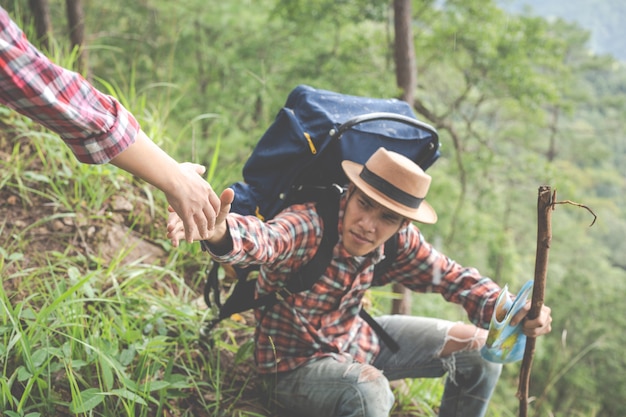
{"x": 395, "y": 182}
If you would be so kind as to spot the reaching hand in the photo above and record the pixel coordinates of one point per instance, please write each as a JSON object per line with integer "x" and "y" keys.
{"x": 195, "y": 202}
{"x": 177, "y": 230}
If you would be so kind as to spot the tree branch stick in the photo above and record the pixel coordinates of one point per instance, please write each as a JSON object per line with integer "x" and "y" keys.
{"x": 545, "y": 206}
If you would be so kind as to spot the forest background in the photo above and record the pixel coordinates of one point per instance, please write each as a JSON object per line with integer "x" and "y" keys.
{"x": 519, "y": 101}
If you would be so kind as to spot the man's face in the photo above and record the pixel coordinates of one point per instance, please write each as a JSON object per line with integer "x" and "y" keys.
{"x": 367, "y": 224}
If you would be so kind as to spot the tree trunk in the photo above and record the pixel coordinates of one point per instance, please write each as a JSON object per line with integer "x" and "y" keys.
{"x": 554, "y": 130}
{"x": 401, "y": 305}
{"x": 404, "y": 50}
{"x": 43, "y": 24}
{"x": 406, "y": 79}
{"x": 76, "y": 24}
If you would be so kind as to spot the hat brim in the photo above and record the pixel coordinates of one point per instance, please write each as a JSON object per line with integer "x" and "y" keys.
{"x": 423, "y": 214}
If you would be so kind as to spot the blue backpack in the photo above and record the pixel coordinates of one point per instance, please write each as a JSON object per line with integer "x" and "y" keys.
{"x": 298, "y": 159}
{"x": 313, "y": 133}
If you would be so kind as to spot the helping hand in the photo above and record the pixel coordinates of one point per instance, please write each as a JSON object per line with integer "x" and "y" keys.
{"x": 177, "y": 230}
{"x": 195, "y": 202}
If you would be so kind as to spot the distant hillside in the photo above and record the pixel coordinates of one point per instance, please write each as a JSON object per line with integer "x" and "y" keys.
{"x": 604, "y": 19}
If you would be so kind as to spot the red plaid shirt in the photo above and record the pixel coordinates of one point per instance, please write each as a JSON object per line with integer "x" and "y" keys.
{"x": 325, "y": 320}
{"x": 95, "y": 126}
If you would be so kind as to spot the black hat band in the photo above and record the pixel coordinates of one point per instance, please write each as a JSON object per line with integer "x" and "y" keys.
{"x": 388, "y": 189}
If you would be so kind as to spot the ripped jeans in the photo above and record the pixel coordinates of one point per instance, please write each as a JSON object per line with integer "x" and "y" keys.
{"x": 332, "y": 387}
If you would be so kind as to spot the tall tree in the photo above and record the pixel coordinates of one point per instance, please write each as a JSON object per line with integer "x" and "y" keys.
{"x": 43, "y": 23}
{"x": 406, "y": 79}
{"x": 404, "y": 49}
{"x": 76, "y": 24}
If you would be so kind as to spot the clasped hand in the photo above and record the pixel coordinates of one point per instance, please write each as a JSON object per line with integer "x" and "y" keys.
{"x": 176, "y": 226}
{"x": 538, "y": 326}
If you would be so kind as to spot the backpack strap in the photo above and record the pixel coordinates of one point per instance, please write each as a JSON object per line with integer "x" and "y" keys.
{"x": 391, "y": 251}
{"x": 384, "y": 336}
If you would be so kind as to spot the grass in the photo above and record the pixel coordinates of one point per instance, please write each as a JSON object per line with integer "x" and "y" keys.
{"x": 121, "y": 340}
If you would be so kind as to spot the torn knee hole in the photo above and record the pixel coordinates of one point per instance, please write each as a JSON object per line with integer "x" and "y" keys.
{"x": 463, "y": 337}
{"x": 369, "y": 373}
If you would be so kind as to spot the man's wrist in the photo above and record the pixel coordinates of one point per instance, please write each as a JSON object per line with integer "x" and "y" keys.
{"x": 220, "y": 245}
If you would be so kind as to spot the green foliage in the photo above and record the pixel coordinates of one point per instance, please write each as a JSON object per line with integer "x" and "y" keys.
{"x": 96, "y": 337}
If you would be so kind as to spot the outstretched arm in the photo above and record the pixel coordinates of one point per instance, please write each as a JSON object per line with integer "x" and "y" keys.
{"x": 187, "y": 192}
{"x": 97, "y": 127}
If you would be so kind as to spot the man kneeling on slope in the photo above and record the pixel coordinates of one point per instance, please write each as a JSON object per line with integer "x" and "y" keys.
{"x": 321, "y": 356}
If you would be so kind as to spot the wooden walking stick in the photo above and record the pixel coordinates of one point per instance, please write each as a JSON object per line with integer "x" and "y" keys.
{"x": 545, "y": 205}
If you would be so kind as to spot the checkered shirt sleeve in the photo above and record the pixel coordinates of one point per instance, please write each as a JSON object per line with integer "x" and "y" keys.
{"x": 422, "y": 268}
{"x": 95, "y": 126}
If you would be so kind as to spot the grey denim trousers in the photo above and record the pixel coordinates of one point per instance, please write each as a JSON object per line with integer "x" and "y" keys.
{"x": 340, "y": 387}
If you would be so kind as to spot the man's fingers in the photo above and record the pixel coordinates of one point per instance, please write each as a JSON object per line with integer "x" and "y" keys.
{"x": 200, "y": 169}
{"x": 189, "y": 229}
{"x": 540, "y": 325}
{"x": 228, "y": 196}
{"x": 521, "y": 314}
{"x": 212, "y": 211}
{"x": 175, "y": 231}
{"x": 197, "y": 168}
